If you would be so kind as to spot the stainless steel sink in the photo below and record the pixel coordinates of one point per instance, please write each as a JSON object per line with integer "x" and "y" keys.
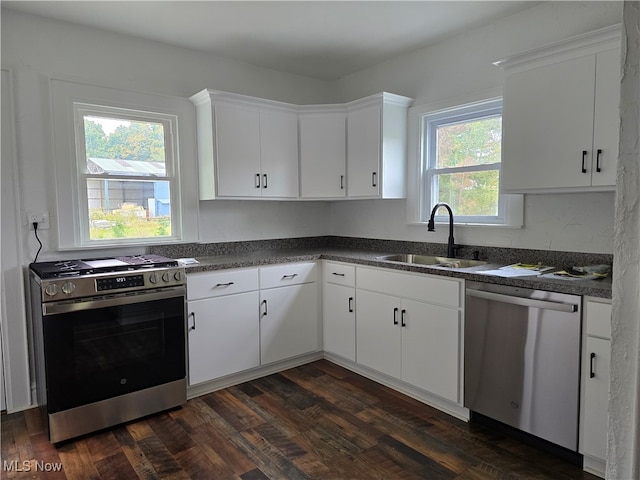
{"x": 432, "y": 260}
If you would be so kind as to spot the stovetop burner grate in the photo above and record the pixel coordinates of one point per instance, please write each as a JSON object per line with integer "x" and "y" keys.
{"x": 66, "y": 268}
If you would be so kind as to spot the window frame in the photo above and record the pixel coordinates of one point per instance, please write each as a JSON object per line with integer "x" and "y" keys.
{"x": 72, "y": 216}
{"x": 430, "y": 125}
{"x": 169, "y": 123}
{"x": 424, "y": 119}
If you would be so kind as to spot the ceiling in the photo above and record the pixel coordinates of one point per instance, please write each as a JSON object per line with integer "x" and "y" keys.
{"x": 320, "y": 39}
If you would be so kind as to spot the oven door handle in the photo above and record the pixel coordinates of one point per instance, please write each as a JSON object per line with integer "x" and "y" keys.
{"x": 524, "y": 302}
{"x": 93, "y": 303}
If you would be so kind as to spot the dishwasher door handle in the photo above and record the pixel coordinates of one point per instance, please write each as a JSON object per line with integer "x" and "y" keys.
{"x": 525, "y": 302}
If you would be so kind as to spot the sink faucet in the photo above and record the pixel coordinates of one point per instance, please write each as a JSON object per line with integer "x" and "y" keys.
{"x": 431, "y": 227}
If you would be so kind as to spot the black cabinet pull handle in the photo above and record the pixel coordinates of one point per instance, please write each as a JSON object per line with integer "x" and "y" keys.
{"x": 337, "y": 274}
{"x": 341, "y": 182}
{"x": 228, "y": 284}
{"x": 592, "y": 372}
{"x": 403, "y": 315}
{"x": 395, "y": 316}
{"x": 294, "y": 275}
{"x": 598, "y": 155}
{"x": 265, "y": 181}
{"x": 350, "y": 304}
{"x": 193, "y": 327}
{"x": 264, "y": 312}
{"x": 374, "y": 179}
{"x": 584, "y": 161}
{"x": 257, "y": 180}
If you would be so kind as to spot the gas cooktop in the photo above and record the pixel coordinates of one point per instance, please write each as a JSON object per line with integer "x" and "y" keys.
{"x": 84, "y": 267}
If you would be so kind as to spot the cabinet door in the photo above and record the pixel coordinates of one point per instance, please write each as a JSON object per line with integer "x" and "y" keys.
{"x": 378, "y": 332}
{"x": 363, "y": 151}
{"x": 288, "y": 322}
{"x": 606, "y": 128}
{"x": 237, "y": 151}
{"x": 279, "y": 154}
{"x": 547, "y": 124}
{"x": 225, "y": 339}
{"x": 431, "y": 348}
{"x": 322, "y": 156}
{"x": 596, "y": 401}
{"x": 339, "y": 320}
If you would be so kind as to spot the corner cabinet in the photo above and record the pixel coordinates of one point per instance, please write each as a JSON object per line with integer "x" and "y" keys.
{"x": 595, "y": 384}
{"x": 560, "y": 115}
{"x": 289, "y": 311}
{"x": 377, "y": 146}
{"x": 409, "y": 327}
{"x": 339, "y": 317}
{"x": 323, "y": 152}
{"x": 247, "y": 147}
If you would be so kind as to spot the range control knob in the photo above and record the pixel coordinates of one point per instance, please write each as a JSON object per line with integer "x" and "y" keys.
{"x": 153, "y": 278}
{"x": 166, "y": 277}
{"x": 177, "y": 276}
{"x": 51, "y": 289}
{"x": 68, "y": 288}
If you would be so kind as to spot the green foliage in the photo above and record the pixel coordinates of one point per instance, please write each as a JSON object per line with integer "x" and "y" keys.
{"x": 463, "y": 145}
{"x": 111, "y": 225}
{"x": 138, "y": 141}
{"x": 469, "y": 143}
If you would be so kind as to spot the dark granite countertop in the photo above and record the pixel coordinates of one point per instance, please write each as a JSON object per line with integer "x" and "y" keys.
{"x": 597, "y": 288}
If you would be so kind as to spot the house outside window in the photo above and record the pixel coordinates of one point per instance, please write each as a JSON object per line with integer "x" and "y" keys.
{"x": 125, "y": 169}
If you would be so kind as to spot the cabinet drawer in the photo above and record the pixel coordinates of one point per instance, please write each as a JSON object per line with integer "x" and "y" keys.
{"x": 287, "y": 274}
{"x": 425, "y": 288}
{"x": 216, "y": 284}
{"x": 598, "y": 316}
{"x": 340, "y": 273}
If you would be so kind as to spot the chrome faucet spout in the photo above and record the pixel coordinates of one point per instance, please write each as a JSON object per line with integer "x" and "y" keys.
{"x": 451, "y": 246}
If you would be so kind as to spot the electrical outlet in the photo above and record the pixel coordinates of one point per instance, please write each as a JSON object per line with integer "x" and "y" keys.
{"x": 42, "y": 219}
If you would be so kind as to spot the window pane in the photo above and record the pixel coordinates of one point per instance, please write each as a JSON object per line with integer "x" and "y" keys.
{"x": 128, "y": 208}
{"x": 469, "y": 143}
{"x": 124, "y": 147}
{"x": 469, "y": 193}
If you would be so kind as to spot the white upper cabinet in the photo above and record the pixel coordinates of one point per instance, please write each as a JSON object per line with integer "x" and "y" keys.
{"x": 377, "y": 146}
{"x": 323, "y": 153}
{"x": 560, "y": 118}
{"x": 247, "y": 147}
{"x": 250, "y": 148}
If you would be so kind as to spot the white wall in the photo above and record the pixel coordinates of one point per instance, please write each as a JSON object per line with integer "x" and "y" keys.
{"x": 623, "y": 446}
{"x": 460, "y": 68}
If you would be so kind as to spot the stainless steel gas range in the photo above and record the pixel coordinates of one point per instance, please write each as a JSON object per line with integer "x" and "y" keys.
{"x": 109, "y": 340}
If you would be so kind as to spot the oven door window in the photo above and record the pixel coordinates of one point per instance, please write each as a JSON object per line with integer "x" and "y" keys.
{"x": 92, "y": 355}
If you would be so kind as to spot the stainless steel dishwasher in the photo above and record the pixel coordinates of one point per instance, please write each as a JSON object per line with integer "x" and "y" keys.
{"x": 522, "y": 359}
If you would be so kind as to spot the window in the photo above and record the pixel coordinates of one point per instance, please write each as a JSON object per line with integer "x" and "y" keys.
{"x": 126, "y": 173}
{"x": 125, "y": 167}
{"x": 459, "y": 160}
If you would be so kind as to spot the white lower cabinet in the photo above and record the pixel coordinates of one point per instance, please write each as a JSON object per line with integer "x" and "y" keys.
{"x": 595, "y": 384}
{"x": 239, "y": 319}
{"x": 223, "y": 336}
{"x": 222, "y": 323}
{"x": 416, "y": 340}
{"x": 339, "y": 313}
{"x": 378, "y": 333}
{"x": 430, "y": 348}
{"x": 288, "y": 312}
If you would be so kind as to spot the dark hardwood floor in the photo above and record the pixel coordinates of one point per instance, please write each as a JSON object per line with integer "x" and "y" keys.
{"x": 316, "y": 421}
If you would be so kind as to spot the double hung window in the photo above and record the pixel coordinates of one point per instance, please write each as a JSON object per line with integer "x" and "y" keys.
{"x": 459, "y": 164}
